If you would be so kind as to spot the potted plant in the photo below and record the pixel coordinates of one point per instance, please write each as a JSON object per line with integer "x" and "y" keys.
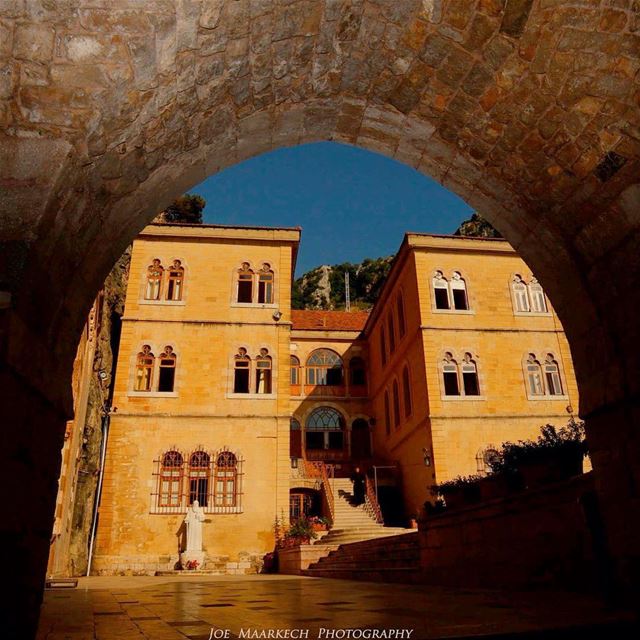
{"x": 556, "y": 455}
{"x": 299, "y": 532}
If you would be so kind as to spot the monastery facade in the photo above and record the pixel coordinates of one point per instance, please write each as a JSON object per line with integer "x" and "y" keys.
{"x": 225, "y": 395}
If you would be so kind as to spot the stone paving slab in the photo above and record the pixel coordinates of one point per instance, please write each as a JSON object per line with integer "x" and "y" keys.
{"x": 198, "y": 607}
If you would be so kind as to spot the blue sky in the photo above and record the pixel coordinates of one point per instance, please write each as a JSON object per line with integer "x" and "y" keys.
{"x": 351, "y": 203}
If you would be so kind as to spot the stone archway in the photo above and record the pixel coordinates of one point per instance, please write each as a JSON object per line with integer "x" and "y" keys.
{"x": 528, "y": 109}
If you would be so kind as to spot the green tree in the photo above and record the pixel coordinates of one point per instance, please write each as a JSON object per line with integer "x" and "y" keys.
{"x": 187, "y": 209}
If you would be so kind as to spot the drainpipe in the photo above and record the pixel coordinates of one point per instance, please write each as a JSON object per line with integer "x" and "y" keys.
{"x": 103, "y": 452}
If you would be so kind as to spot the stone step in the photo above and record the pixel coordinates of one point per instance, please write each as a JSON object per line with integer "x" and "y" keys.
{"x": 387, "y": 558}
{"x": 377, "y": 553}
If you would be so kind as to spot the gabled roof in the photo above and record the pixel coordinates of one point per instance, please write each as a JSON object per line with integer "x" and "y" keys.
{"x": 328, "y": 320}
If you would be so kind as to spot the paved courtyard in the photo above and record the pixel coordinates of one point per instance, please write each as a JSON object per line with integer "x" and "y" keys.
{"x": 199, "y": 608}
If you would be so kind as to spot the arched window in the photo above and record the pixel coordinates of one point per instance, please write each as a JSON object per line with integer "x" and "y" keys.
{"x": 387, "y": 413}
{"x": 199, "y": 472}
{"x": 226, "y": 480}
{"x": 325, "y": 429}
{"x": 357, "y": 373}
{"x": 242, "y": 371}
{"x": 441, "y": 291}
{"x": 144, "y": 369}
{"x": 459, "y": 292}
{"x": 154, "y": 280}
{"x": 402, "y": 325}
{"x": 263, "y": 372}
{"x": 520, "y": 295}
{"x": 295, "y": 371}
{"x": 552, "y": 376}
{"x": 245, "y": 283}
{"x": 450, "y": 376}
{"x": 170, "y": 489}
{"x": 536, "y": 293}
{"x": 383, "y": 346}
{"x": 175, "y": 281}
{"x": 392, "y": 332}
{"x": 265, "y": 284}
{"x": 486, "y": 458}
{"x": 535, "y": 384}
{"x": 324, "y": 368}
{"x": 470, "y": 376}
{"x": 406, "y": 385}
{"x": 295, "y": 439}
{"x": 167, "y": 372}
{"x": 396, "y": 405}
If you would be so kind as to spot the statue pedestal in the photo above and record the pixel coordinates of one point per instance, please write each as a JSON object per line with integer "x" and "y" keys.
{"x": 187, "y": 556}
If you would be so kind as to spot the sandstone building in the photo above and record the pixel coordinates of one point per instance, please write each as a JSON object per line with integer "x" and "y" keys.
{"x": 226, "y": 395}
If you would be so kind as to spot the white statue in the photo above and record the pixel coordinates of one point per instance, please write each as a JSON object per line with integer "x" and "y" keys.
{"x": 193, "y": 521}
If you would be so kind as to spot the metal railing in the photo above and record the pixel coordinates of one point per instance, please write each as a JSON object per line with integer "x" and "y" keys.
{"x": 371, "y": 504}
{"x": 328, "y": 489}
{"x": 323, "y": 473}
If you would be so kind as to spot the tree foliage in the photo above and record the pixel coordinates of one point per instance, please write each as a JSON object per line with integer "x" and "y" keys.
{"x": 185, "y": 209}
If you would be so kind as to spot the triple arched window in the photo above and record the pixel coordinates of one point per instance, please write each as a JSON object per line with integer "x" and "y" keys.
{"x": 252, "y": 375}
{"x": 528, "y": 297}
{"x": 164, "y": 283}
{"x": 543, "y": 379}
{"x": 255, "y": 287}
{"x": 148, "y": 368}
{"x": 450, "y": 294}
{"x": 460, "y": 378}
{"x": 213, "y": 479}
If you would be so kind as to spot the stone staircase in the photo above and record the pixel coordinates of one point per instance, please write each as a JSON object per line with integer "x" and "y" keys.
{"x": 353, "y": 524}
{"x": 387, "y": 559}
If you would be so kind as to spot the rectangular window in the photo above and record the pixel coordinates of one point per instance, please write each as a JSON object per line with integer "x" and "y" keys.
{"x": 245, "y": 288}
{"x": 535, "y": 381}
{"x": 335, "y": 440}
{"x": 460, "y": 299}
{"x": 265, "y": 288}
{"x": 553, "y": 382}
{"x": 295, "y": 375}
{"x": 199, "y": 490}
{"x": 383, "y": 347}
{"x": 241, "y": 378}
{"x": 442, "y": 298}
{"x": 263, "y": 376}
{"x": 451, "y": 387}
{"x": 470, "y": 382}
{"x": 166, "y": 377}
{"x": 315, "y": 440}
{"x": 392, "y": 333}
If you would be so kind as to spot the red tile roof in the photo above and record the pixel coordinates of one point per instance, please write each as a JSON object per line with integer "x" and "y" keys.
{"x": 329, "y": 320}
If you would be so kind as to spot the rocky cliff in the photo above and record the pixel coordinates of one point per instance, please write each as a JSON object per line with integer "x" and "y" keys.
{"x": 324, "y": 286}
{"x": 110, "y": 310}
